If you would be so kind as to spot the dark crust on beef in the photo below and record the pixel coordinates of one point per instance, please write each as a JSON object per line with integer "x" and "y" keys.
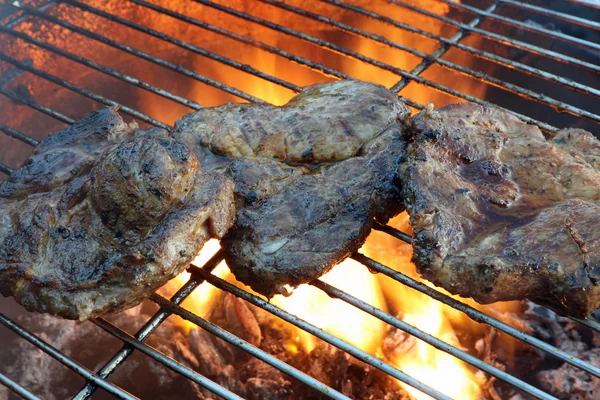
{"x": 101, "y": 215}
{"x": 310, "y": 177}
{"x": 500, "y": 213}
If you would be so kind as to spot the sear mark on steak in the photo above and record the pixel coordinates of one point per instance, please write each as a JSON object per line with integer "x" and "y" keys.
{"x": 102, "y": 214}
{"x": 310, "y": 177}
{"x": 501, "y": 213}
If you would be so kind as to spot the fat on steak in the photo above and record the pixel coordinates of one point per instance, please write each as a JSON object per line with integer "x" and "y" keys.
{"x": 310, "y": 176}
{"x": 501, "y": 213}
{"x": 102, "y": 214}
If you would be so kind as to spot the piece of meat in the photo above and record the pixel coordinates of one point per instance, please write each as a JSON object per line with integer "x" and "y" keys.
{"x": 102, "y": 214}
{"x": 324, "y": 123}
{"x": 501, "y": 213}
{"x": 310, "y": 177}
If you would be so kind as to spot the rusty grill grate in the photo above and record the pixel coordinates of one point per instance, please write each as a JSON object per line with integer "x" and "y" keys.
{"x": 567, "y": 50}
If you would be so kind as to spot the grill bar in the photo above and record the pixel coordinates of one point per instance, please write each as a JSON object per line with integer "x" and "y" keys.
{"x": 166, "y": 361}
{"x": 432, "y": 340}
{"x": 476, "y": 315}
{"x": 82, "y": 91}
{"x": 5, "y": 169}
{"x": 522, "y": 25}
{"x": 18, "y": 135}
{"x": 247, "y": 347}
{"x": 589, "y": 323}
{"x": 18, "y": 389}
{"x": 392, "y": 232}
{"x": 443, "y": 49}
{"x": 340, "y": 344}
{"x": 556, "y": 14}
{"x": 36, "y": 106}
{"x": 21, "y": 18}
{"x": 428, "y": 60}
{"x": 63, "y": 359}
{"x": 587, "y": 3}
{"x": 471, "y": 50}
{"x": 146, "y": 330}
{"x": 505, "y": 40}
{"x": 141, "y": 54}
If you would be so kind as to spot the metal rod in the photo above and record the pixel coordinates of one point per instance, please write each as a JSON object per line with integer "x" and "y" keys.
{"x": 5, "y": 169}
{"x": 412, "y": 103}
{"x": 432, "y": 340}
{"x": 11, "y": 74}
{"x": 83, "y": 92}
{"x": 586, "y": 3}
{"x": 21, "y": 18}
{"x": 159, "y": 317}
{"x": 271, "y": 49}
{"x": 443, "y": 49}
{"x": 556, "y": 14}
{"x": 476, "y": 315}
{"x": 361, "y": 57}
{"x": 141, "y": 54}
{"x": 188, "y": 46}
{"x": 247, "y": 347}
{"x": 18, "y": 135}
{"x": 18, "y": 389}
{"x": 471, "y": 50}
{"x": 63, "y": 359}
{"x": 105, "y": 70}
{"x": 522, "y": 25}
{"x": 36, "y": 106}
{"x": 392, "y": 232}
{"x": 503, "y": 39}
{"x": 166, "y": 361}
{"x": 321, "y": 334}
{"x": 428, "y": 60}
{"x": 595, "y": 325}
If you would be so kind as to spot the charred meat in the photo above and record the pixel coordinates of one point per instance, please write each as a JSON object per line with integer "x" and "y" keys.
{"x": 102, "y": 214}
{"x": 501, "y": 213}
{"x": 310, "y": 177}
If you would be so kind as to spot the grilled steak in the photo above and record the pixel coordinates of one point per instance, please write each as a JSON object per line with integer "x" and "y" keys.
{"x": 310, "y": 177}
{"x": 501, "y": 213}
{"x": 102, "y": 214}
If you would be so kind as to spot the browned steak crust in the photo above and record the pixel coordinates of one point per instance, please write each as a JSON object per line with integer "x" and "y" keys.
{"x": 103, "y": 214}
{"x": 501, "y": 213}
{"x": 310, "y": 177}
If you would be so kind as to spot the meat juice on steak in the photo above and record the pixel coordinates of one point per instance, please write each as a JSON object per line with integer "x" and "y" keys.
{"x": 501, "y": 213}
{"x": 310, "y": 176}
{"x": 103, "y": 214}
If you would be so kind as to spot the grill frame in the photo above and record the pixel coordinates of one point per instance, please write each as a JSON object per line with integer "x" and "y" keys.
{"x": 198, "y": 275}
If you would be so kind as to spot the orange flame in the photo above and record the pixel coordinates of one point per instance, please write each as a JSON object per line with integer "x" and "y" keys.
{"x": 336, "y": 316}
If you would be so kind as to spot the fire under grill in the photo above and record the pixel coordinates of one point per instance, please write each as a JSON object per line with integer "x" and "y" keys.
{"x": 546, "y": 73}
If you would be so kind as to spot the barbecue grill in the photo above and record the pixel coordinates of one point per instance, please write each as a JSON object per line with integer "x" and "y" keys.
{"x": 562, "y": 61}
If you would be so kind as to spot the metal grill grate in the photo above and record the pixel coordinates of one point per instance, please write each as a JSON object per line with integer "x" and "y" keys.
{"x": 568, "y": 58}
